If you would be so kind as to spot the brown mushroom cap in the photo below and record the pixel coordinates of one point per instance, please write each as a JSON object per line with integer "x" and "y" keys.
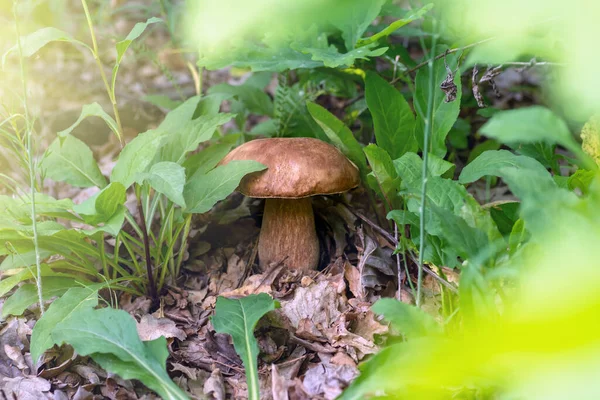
{"x": 297, "y": 167}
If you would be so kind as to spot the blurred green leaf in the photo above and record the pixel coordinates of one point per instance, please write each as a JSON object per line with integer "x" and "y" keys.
{"x": 394, "y": 26}
{"x": 75, "y": 299}
{"x": 203, "y": 191}
{"x": 70, "y": 160}
{"x": 407, "y": 319}
{"x": 254, "y": 98}
{"x": 32, "y": 43}
{"x": 354, "y": 19}
{"x": 110, "y": 337}
{"x": 528, "y": 125}
{"x": 392, "y": 116}
{"x": 444, "y": 114}
{"x": 238, "y": 318}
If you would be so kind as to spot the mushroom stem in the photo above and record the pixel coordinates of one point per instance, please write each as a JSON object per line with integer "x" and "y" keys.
{"x": 288, "y": 234}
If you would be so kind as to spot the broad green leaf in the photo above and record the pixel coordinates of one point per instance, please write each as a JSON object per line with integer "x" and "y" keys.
{"x": 182, "y": 140}
{"x": 391, "y": 28}
{"x": 70, "y": 160}
{"x": 111, "y": 336}
{"x": 137, "y": 156}
{"x": 26, "y": 295}
{"x": 123, "y": 45}
{"x": 162, "y": 101}
{"x": 9, "y": 282}
{"x": 167, "y": 178}
{"x": 75, "y": 299}
{"x": 204, "y": 191}
{"x": 496, "y": 163}
{"x": 354, "y": 19}
{"x": 528, "y": 125}
{"x": 403, "y": 217}
{"x": 410, "y": 167}
{"x": 339, "y": 134}
{"x": 32, "y": 43}
{"x": 444, "y": 114}
{"x": 332, "y": 58}
{"x": 238, "y": 318}
{"x": 202, "y": 162}
{"x": 384, "y": 172}
{"x": 411, "y": 321}
{"x": 179, "y": 117}
{"x": 392, "y": 116}
{"x": 27, "y": 259}
{"x": 105, "y": 210}
{"x": 253, "y": 98}
{"x": 92, "y": 110}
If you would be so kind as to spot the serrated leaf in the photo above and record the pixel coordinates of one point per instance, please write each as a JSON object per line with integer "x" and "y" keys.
{"x": 112, "y": 334}
{"x": 26, "y": 295}
{"x": 444, "y": 114}
{"x": 167, "y": 178}
{"x": 32, "y": 43}
{"x": 339, "y": 134}
{"x": 92, "y": 110}
{"x": 75, "y": 299}
{"x": 410, "y": 320}
{"x": 238, "y": 318}
{"x": 204, "y": 191}
{"x": 528, "y": 125}
{"x": 70, "y": 160}
{"x": 393, "y": 118}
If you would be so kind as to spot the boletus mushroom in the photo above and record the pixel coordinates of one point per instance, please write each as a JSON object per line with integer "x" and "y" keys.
{"x": 298, "y": 168}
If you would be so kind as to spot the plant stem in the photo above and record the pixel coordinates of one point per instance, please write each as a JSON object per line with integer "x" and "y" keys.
{"x": 427, "y": 134}
{"x": 112, "y": 98}
{"x": 151, "y": 282}
{"x": 31, "y": 165}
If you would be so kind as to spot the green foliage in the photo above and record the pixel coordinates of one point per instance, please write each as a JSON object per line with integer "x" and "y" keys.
{"x": 238, "y": 318}
{"x": 110, "y": 337}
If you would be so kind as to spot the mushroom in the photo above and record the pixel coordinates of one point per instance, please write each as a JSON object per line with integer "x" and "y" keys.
{"x": 298, "y": 168}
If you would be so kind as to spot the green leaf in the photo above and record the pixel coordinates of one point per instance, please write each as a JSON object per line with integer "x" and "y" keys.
{"x": 70, "y": 160}
{"x": 167, "y": 178}
{"x": 412, "y": 16}
{"x": 339, "y": 134}
{"x": 27, "y": 259}
{"x": 238, "y": 318}
{"x": 410, "y": 320}
{"x": 105, "y": 209}
{"x": 202, "y": 162}
{"x": 444, "y": 114}
{"x": 204, "y": 191}
{"x": 26, "y": 295}
{"x": 388, "y": 181}
{"x": 392, "y": 116}
{"x": 528, "y": 125}
{"x": 253, "y": 98}
{"x": 71, "y": 302}
{"x": 123, "y": 45}
{"x": 113, "y": 333}
{"x": 32, "y": 43}
{"x": 92, "y": 110}
{"x": 162, "y": 101}
{"x": 410, "y": 167}
{"x": 137, "y": 156}
{"x": 332, "y": 58}
{"x": 186, "y": 138}
{"x": 354, "y": 19}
